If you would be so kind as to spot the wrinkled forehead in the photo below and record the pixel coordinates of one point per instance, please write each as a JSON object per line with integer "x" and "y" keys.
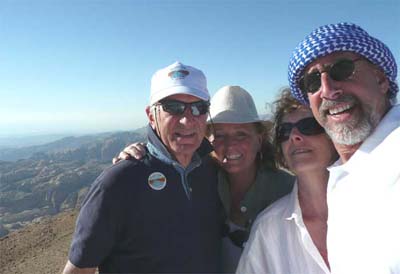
{"x": 297, "y": 114}
{"x": 331, "y": 58}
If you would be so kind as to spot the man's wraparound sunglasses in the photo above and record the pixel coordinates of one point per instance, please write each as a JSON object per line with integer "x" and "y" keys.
{"x": 341, "y": 70}
{"x": 175, "y": 107}
{"x": 307, "y": 126}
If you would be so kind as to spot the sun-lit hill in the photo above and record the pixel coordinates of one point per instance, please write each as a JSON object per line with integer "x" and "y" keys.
{"x": 67, "y": 143}
{"x": 56, "y": 178}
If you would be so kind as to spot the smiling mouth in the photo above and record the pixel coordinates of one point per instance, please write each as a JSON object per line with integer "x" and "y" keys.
{"x": 300, "y": 151}
{"x": 181, "y": 135}
{"x": 231, "y": 157}
{"x": 339, "y": 109}
{"x": 342, "y": 105}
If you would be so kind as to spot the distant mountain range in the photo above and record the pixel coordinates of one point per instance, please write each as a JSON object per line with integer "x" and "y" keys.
{"x": 17, "y": 141}
{"x": 59, "y": 145}
{"x": 43, "y": 180}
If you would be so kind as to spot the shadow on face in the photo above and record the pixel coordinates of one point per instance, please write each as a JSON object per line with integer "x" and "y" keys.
{"x": 236, "y": 145}
{"x": 304, "y": 144}
{"x": 183, "y": 133}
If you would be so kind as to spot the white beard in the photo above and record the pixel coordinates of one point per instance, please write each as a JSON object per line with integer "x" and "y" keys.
{"x": 346, "y": 134}
{"x": 354, "y": 131}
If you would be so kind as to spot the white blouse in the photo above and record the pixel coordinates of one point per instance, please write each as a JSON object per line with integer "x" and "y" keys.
{"x": 280, "y": 243}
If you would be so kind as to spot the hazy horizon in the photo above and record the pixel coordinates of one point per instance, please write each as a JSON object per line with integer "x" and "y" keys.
{"x": 18, "y": 132}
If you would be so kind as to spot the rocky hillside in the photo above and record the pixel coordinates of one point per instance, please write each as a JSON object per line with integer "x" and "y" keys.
{"x": 54, "y": 180}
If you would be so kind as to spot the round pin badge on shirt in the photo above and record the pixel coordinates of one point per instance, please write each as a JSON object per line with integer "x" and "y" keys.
{"x": 157, "y": 180}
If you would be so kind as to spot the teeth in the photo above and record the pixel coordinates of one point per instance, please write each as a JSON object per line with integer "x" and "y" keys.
{"x": 233, "y": 156}
{"x": 339, "y": 109}
{"x": 298, "y": 151}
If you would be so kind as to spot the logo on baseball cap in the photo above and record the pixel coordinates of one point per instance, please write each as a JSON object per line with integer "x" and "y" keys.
{"x": 178, "y": 74}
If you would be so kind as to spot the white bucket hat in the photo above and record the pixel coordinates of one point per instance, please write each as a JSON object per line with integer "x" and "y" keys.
{"x": 178, "y": 79}
{"x": 233, "y": 105}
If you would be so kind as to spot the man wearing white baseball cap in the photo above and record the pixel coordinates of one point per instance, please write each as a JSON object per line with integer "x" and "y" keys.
{"x": 248, "y": 179}
{"x": 161, "y": 213}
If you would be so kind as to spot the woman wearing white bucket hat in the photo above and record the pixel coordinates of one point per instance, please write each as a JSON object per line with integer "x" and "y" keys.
{"x": 248, "y": 180}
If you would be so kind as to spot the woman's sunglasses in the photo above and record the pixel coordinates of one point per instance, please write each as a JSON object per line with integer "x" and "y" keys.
{"x": 341, "y": 70}
{"x": 175, "y": 107}
{"x": 307, "y": 126}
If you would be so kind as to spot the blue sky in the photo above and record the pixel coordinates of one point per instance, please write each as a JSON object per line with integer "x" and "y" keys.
{"x": 80, "y": 66}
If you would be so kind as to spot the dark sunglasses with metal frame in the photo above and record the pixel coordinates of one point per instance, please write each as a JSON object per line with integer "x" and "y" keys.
{"x": 176, "y": 107}
{"x": 341, "y": 70}
{"x": 307, "y": 126}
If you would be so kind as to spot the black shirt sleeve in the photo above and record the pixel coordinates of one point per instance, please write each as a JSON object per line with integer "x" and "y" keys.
{"x": 97, "y": 224}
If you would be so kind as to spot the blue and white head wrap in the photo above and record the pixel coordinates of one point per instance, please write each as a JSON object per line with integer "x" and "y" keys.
{"x": 339, "y": 37}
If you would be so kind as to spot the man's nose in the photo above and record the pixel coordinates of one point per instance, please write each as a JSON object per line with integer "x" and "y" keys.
{"x": 330, "y": 89}
{"x": 230, "y": 141}
{"x": 187, "y": 116}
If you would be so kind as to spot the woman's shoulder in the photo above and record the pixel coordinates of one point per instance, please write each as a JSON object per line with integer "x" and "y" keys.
{"x": 275, "y": 213}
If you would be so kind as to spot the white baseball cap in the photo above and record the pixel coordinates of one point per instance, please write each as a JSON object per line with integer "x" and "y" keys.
{"x": 178, "y": 79}
{"x": 233, "y": 105}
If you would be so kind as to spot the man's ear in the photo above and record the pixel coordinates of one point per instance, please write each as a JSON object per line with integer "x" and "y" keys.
{"x": 151, "y": 115}
{"x": 382, "y": 81}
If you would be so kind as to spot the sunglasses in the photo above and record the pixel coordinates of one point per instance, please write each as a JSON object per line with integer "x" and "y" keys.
{"x": 341, "y": 70}
{"x": 307, "y": 126}
{"x": 175, "y": 107}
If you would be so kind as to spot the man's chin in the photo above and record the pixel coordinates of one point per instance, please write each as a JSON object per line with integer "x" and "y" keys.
{"x": 186, "y": 148}
{"x": 348, "y": 135}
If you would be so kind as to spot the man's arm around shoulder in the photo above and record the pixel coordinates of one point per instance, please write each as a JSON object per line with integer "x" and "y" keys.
{"x": 72, "y": 269}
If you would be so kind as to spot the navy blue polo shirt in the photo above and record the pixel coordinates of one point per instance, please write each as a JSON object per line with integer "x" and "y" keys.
{"x": 133, "y": 221}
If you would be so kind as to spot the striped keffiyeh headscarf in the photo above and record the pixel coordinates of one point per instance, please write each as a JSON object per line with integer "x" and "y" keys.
{"x": 339, "y": 37}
